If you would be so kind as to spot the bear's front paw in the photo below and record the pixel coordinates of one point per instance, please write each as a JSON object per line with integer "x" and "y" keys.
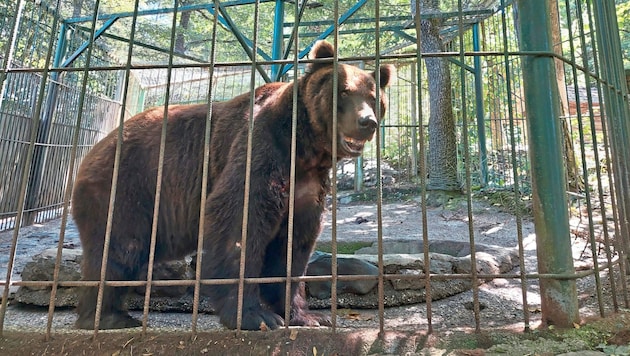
{"x": 254, "y": 318}
{"x": 304, "y": 318}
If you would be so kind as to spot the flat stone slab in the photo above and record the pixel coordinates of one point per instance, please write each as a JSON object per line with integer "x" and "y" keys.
{"x": 401, "y": 257}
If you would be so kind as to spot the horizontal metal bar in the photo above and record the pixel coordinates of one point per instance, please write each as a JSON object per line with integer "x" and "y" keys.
{"x": 322, "y": 278}
{"x": 397, "y": 19}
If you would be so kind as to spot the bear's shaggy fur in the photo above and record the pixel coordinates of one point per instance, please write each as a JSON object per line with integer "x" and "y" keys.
{"x": 180, "y": 194}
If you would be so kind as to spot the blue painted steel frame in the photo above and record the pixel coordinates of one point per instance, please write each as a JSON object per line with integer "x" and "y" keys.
{"x": 278, "y": 37}
{"x": 328, "y": 31}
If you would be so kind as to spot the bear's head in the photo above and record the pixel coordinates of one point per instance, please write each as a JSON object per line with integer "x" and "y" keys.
{"x": 356, "y": 100}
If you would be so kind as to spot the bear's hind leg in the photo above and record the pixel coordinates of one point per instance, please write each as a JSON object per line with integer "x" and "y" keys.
{"x": 114, "y": 314}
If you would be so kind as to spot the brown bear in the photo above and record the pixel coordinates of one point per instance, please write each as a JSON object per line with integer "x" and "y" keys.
{"x": 180, "y": 194}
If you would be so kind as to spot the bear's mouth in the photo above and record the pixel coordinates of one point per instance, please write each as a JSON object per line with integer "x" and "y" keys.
{"x": 352, "y": 146}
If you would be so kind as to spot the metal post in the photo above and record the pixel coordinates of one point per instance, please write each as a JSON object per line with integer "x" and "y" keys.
{"x": 559, "y": 302}
{"x": 278, "y": 28}
{"x": 481, "y": 128}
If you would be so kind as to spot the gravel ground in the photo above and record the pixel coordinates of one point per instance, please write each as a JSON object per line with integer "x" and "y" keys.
{"x": 500, "y": 299}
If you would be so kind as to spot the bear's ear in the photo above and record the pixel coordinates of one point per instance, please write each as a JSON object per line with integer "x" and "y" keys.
{"x": 321, "y": 49}
{"x": 387, "y": 73}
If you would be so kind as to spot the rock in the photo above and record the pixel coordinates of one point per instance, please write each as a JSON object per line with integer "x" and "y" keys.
{"x": 415, "y": 283}
{"x": 173, "y": 270}
{"x": 41, "y": 269}
{"x": 446, "y": 257}
{"x": 43, "y": 265}
{"x": 320, "y": 264}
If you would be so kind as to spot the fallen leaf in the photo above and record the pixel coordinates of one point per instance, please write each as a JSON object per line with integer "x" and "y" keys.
{"x": 293, "y": 335}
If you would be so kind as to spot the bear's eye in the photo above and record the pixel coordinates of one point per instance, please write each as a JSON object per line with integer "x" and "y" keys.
{"x": 345, "y": 93}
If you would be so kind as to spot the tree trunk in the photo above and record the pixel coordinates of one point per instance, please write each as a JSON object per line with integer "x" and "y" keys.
{"x": 574, "y": 179}
{"x": 180, "y": 40}
{"x": 77, "y": 6}
{"x": 442, "y": 151}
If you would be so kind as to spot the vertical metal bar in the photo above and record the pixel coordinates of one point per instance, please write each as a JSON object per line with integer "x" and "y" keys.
{"x": 248, "y": 169}
{"x": 293, "y": 38}
{"x": 617, "y": 111}
{"x": 595, "y": 143}
{"x": 110, "y": 212}
{"x": 29, "y": 159}
{"x": 423, "y": 170}
{"x": 69, "y": 183}
{"x": 10, "y": 52}
{"x": 333, "y": 188}
{"x": 481, "y": 125}
{"x": 18, "y": 218}
{"x": 244, "y": 42}
{"x": 607, "y": 150}
{"x": 160, "y": 172}
{"x": 587, "y": 190}
{"x": 468, "y": 184}
{"x": 277, "y": 42}
{"x": 43, "y": 131}
{"x": 515, "y": 170}
{"x": 380, "y": 144}
{"x": 204, "y": 175}
{"x": 414, "y": 123}
{"x": 558, "y": 297}
{"x": 291, "y": 220}
{"x": 342, "y": 18}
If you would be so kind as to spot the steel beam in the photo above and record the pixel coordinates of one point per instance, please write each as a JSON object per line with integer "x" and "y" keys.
{"x": 559, "y": 302}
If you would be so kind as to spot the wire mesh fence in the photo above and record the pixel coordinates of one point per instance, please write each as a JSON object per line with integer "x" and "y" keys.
{"x": 74, "y": 74}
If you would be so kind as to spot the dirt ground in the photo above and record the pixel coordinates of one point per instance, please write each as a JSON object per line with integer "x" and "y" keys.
{"x": 501, "y": 318}
{"x": 610, "y": 336}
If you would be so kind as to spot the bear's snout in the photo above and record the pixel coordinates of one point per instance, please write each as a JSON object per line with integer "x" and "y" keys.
{"x": 368, "y": 122}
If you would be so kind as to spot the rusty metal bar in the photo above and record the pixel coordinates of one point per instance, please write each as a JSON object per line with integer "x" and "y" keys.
{"x": 333, "y": 187}
{"x": 204, "y": 177}
{"x": 321, "y": 278}
{"x": 403, "y": 56}
{"x": 25, "y": 172}
{"x": 517, "y": 191}
{"x": 248, "y": 170}
{"x": 379, "y": 173}
{"x": 160, "y": 172}
{"x": 291, "y": 220}
{"x": 468, "y": 183}
{"x": 423, "y": 167}
{"x": 587, "y": 190}
{"x": 69, "y": 179}
{"x": 607, "y": 141}
{"x": 616, "y": 108}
